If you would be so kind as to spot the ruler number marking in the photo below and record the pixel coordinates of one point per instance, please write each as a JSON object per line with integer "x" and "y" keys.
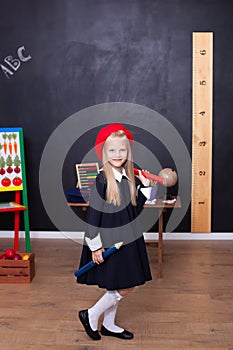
{"x": 203, "y": 82}
{"x": 203, "y": 52}
{"x": 202, "y": 143}
{"x": 202, "y": 113}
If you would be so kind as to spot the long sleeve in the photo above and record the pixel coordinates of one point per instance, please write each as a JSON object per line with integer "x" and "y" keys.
{"x": 143, "y": 193}
{"x": 94, "y": 214}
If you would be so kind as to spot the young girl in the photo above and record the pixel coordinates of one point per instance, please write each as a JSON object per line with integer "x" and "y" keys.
{"x": 117, "y": 200}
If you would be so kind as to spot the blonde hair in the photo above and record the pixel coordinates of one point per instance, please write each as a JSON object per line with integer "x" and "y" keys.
{"x": 113, "y": 193}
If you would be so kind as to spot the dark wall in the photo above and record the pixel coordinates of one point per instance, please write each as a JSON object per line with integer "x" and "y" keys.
{"x": 87, "y": 52}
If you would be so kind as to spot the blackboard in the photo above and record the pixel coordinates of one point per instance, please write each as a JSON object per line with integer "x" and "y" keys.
{"x": 59, "y": 57}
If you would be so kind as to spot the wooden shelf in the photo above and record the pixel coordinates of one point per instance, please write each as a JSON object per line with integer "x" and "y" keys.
{"x": 11, "y": 206}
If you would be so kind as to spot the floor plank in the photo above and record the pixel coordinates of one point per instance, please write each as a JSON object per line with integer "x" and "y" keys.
{"x": 190, "y": 308}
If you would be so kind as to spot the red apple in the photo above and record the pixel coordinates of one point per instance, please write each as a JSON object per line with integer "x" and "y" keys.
{"x": 3, "y": 257}
{"x": 10, "y": 253}
{"x": 17, "y": 257}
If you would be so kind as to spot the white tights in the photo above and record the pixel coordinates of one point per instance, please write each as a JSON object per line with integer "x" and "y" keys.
{"x": 108, "y": 305}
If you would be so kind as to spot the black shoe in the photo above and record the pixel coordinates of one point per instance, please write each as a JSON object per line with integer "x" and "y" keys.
{"x": 83, "y": 316}
{"x": 123, "y": 335}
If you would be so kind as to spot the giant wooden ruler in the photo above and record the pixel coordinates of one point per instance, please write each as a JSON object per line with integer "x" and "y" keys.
{"x": 202, "y": 101}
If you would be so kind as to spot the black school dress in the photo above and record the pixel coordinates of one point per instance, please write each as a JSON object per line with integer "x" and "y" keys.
{"x": 129, "y": 266}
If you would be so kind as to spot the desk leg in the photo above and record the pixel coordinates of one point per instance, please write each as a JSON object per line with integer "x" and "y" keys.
{"x": 160, "y": 246}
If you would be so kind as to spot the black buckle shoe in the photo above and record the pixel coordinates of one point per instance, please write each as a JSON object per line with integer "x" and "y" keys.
{"x": 83, "y": 316}
{"x": 123, "y": 335}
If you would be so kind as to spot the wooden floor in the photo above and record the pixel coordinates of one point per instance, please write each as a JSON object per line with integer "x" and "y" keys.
{"x": 190, "y": 308}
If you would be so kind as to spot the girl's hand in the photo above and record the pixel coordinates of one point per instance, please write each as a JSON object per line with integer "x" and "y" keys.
{"x": 97, "y": 256}
{"x": 143, "y": 179}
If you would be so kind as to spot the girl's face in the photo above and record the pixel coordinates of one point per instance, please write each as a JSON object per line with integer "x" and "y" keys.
{"x": 116, "y": 152}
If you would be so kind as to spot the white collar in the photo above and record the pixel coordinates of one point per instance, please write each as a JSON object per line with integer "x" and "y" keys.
{"x": 118, "y": 176}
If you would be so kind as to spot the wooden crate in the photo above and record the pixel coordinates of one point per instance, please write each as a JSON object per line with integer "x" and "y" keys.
{"x": 17, "y": 271}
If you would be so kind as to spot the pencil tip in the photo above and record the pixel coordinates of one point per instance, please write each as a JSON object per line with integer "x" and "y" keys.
{"x": 118, "y": 245}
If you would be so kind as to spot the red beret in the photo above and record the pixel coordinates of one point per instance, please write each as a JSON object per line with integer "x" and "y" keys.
{"x": 105, "y": 132}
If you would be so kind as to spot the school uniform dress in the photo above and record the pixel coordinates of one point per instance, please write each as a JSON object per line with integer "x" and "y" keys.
{"x": 108, "y": 224}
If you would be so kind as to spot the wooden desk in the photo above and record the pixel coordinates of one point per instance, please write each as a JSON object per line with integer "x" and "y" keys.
{"x": 162, "y": 207}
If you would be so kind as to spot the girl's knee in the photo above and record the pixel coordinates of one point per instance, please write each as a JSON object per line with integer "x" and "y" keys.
{"x": 124, "y": 292}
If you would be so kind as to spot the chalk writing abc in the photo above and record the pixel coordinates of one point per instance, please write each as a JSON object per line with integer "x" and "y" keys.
{"x": 12, "y": 64}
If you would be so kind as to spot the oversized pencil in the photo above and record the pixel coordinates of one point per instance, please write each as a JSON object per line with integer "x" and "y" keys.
{"x": 91, "y": 264}
{"x": 150, "y": 176}
{"x": 166, "y": 177}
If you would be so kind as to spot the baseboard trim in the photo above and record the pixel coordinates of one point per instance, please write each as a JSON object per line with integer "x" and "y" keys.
{"x": 149, "y": 236}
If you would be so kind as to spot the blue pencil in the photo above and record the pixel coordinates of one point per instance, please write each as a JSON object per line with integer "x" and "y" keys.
{"x": 91, "y": 264}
